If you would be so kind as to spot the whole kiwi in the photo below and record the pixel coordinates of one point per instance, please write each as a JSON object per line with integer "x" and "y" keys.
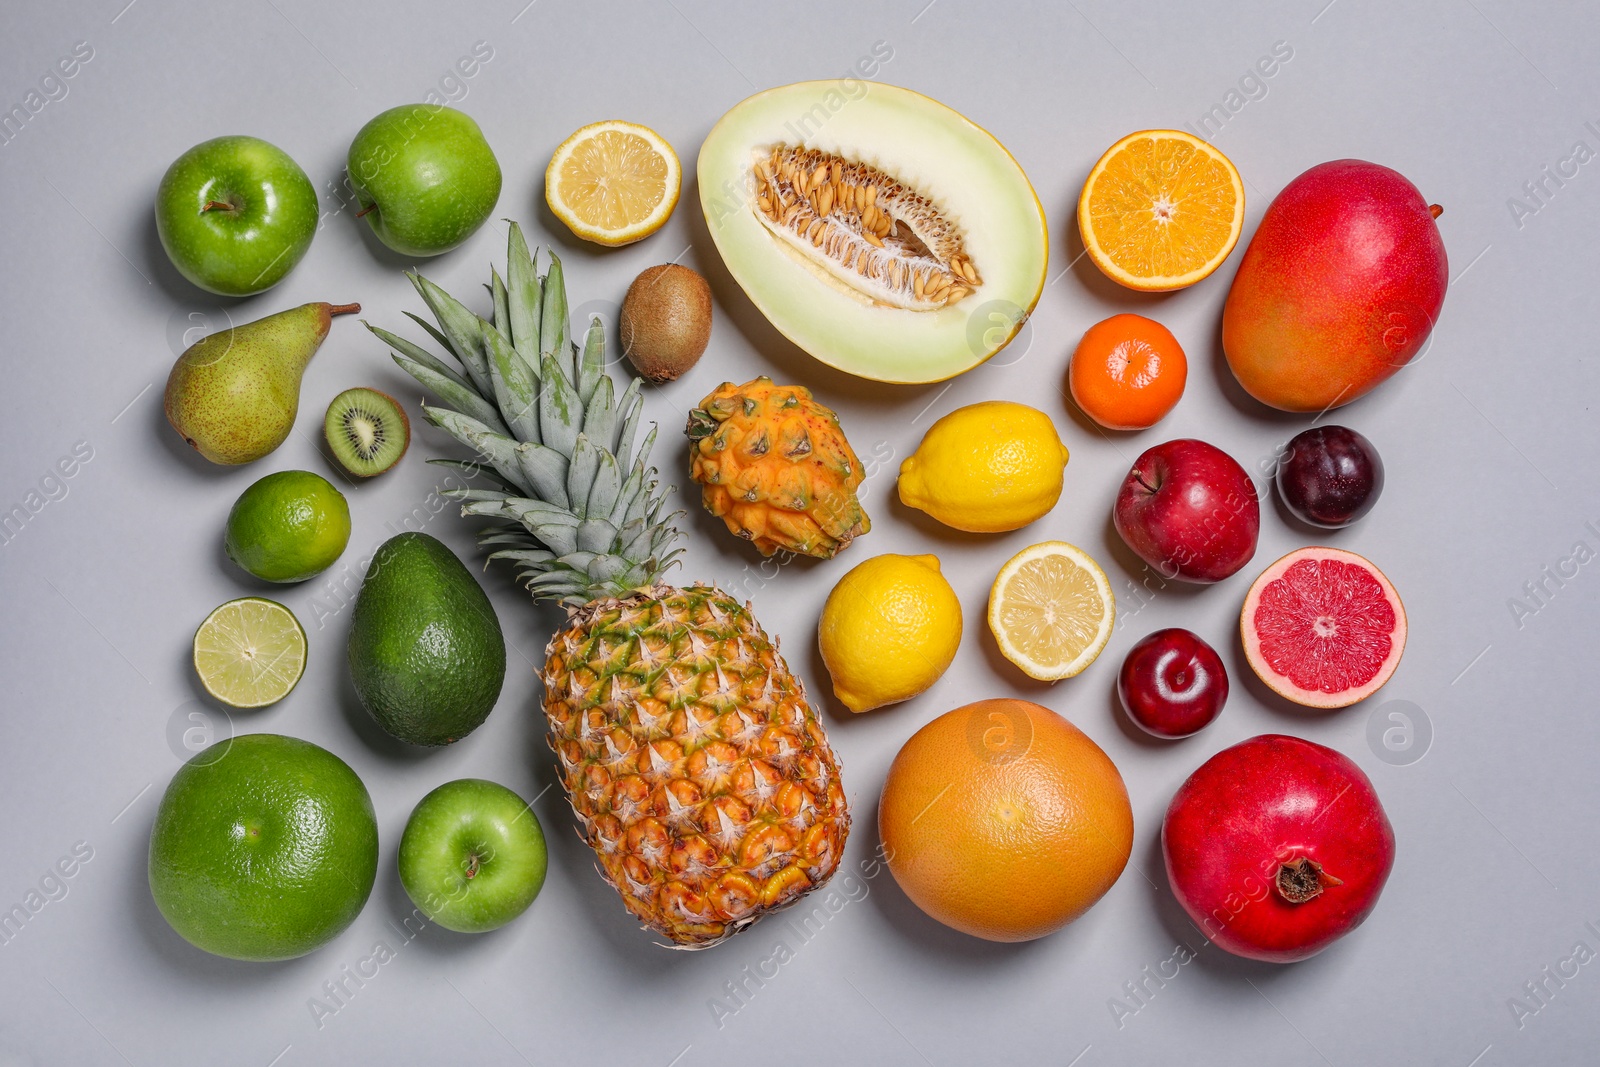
{"x": 666, "y": 321}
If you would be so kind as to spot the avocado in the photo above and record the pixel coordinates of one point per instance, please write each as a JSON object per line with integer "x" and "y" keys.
{"x": 426, "y": 653}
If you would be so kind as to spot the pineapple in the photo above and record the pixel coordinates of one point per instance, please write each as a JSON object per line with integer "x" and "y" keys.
{"x": 775, "y": 466}
{"x": 698, "y": 772}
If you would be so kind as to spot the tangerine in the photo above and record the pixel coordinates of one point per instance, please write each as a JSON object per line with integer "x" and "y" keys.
{"x": 1127, "y": 372}
{"x": 1004, "y": 821}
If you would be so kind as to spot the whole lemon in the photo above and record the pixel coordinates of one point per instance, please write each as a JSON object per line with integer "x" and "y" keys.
{"x": 986, "y": 468}
{"x": 889, "y": 629}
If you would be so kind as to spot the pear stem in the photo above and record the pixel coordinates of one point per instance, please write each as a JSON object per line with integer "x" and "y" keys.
{"x": 343, "y": 309}
{"x": 217, "y": 205}
{"x": 1435, "y": 210}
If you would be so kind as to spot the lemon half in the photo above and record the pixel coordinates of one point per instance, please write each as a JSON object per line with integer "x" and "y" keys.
{"x": 613, "y": 182}
{"x": 1051, "y": 610}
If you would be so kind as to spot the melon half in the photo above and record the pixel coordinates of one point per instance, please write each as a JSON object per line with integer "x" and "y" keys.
{"x": 879, "y": 230}
{"x": 1323, "y": 627}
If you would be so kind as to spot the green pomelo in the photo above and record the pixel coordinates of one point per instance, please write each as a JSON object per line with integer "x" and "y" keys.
{"x": 264, "y": 848}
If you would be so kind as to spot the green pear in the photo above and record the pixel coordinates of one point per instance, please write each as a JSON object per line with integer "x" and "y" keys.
{"x": 234, "y": 394}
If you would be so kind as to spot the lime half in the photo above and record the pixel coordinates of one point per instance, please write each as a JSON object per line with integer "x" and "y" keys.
{"x": 250, "y": 652}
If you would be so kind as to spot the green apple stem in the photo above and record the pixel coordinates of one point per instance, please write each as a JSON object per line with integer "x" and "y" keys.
{"x": 366, "y": 210}
{"x": 218, "y": 205}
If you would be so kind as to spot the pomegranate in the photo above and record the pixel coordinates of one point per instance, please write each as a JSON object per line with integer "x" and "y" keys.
{"x": 1277, "y": 847}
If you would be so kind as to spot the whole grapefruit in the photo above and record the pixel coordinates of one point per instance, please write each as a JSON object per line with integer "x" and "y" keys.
{"x": 1004, "y": 821}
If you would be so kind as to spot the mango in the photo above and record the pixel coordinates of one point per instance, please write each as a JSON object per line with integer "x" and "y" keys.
{"x": 1339, "y": 289}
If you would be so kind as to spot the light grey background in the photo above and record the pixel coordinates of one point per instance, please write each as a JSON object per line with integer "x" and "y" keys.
{"x": 1490, "y": 443}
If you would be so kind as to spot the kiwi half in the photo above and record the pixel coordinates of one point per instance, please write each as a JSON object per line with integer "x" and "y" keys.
{"x": 367, "y": 430}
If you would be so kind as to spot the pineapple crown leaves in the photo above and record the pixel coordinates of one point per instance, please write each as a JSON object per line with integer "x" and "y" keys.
{"x": 580, "y": 514}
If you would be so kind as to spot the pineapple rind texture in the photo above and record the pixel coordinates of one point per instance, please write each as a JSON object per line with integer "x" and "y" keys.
{"x": 775, "y": 466}
{"x": 698, "y": 772}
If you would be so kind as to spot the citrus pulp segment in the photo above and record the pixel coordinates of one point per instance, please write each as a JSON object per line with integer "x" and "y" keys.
{"x": 613, "y": 182}
{"x": 1323, "y": 627}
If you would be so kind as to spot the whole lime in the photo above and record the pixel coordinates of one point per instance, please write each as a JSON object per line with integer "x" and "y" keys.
{"x": 288, "y": 527}
{"x": 264, "y": 848}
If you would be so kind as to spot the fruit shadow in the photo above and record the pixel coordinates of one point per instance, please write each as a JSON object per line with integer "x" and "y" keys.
{"x": 1314, "y": 535}
{"x": 1107, "y": 292}
{"x": 382, "y": 253}
{"x": 1133, "y": 731}
{"x": 756, "y": 571}
{"x": 1229, "y": 386}
{"x": 1212, "y": 960}
{"x": 932, "y": 528}
{"x": 1139, "y": 573}
{"x": 375, "y": 738}
{"x": 238, "y": 721}
{"x": 927, "y": 937}
{"x": 159, "y": 269}
{"x": 617, "y": 932}
{"x": 1036, "y": 689}
{"x": 1114, "y": 438}
{"x": 182, "y": 453}
{"x": 1240, "y": 672}
{"x": 249, "y": 583}
{"x": 566, "y": 244}
{"x": 184, "y": 965}
{"x": 819, "y": 690}
{"x": 788, "y": 360}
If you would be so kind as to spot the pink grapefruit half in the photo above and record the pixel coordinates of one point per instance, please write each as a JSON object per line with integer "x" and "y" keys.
{"x": 1323, "y": 627}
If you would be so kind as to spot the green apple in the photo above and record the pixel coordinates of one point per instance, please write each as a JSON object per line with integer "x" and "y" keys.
{"x": 235, "y": 215}
{"x": 424, "y": 176}
{"x": 472, "y": 857}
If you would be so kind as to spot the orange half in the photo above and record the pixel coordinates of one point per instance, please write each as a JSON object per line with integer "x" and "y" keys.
{"x": 1161, "y": 210}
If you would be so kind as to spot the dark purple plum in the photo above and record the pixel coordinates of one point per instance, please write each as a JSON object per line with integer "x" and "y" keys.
{"x": 1172, "y": 683}
{"x": 1329, "y": 476}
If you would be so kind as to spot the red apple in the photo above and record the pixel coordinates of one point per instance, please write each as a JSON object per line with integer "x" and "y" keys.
{"x": 1189, "y": 510}
{"x": 1277, "y": 847}
{"x": 1172, "y": 683}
